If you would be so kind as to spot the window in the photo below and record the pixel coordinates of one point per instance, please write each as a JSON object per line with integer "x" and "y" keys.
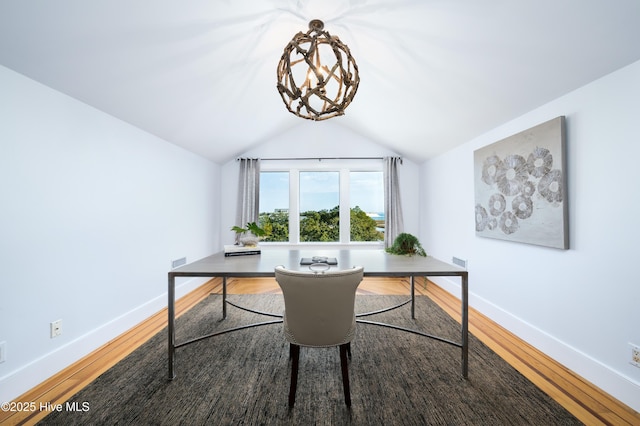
{"x": 319, "y": 206}
{"x": 324, "y": 202}
{"x": 274, "y": 205}
{"x": 367, "y": 206}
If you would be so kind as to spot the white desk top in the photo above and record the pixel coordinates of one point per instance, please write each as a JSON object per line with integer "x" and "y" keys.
{"x": 375, "y": 262}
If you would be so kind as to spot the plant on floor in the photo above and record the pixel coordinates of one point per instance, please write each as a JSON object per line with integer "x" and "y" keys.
{"x": 406, "y": 244}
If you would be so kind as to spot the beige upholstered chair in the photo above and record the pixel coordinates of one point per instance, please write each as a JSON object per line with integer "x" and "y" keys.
{"x": 319, "y": 312}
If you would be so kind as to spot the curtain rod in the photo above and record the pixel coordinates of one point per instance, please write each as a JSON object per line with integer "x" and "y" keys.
{"x": 319, "y": 158}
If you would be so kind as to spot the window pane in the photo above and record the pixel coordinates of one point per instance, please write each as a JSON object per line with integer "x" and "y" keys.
{"x": 274, "y": 205}
{"x": 319, "y": 206}
{"x": 367, "y": 206}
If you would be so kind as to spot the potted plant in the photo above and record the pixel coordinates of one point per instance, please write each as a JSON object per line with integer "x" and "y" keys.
{"x": 407, "y": 245}
{"x": 249, "y": 235}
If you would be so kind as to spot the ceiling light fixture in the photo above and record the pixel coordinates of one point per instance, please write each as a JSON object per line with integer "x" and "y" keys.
{"x": 318, "y": 71}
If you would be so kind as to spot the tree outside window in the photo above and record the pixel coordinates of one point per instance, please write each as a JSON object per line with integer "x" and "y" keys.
{"x": 318, "y": 204}
{"x": 274, "y": 205}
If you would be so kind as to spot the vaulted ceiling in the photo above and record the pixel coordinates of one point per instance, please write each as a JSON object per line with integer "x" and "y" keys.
{"x": 202, "y": 74}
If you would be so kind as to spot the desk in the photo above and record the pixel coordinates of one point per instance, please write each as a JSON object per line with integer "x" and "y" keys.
{"x": 376, "y": 263}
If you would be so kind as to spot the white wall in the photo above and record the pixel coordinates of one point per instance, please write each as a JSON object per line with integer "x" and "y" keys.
{"x": 580, "y": 306}
{"x": 93, "y": 212}
{"x": 310, "y": 139}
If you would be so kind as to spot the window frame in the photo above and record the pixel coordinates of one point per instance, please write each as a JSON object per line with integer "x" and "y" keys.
{"x": 344, "y": 167}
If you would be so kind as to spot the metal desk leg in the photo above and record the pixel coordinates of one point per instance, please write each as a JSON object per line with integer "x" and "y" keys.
{"x": 224, "y": 297}
{"x": 465, "y": 326}
{"x": 171, "y": 320}
{"x": 413, "y": 297}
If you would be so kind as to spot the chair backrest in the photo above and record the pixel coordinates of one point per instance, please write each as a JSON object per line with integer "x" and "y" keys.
{"x": 319, "y": 306}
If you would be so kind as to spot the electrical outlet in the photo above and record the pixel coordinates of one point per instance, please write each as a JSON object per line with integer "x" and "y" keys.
{"x": 3, "y": 351}
{"x": 56, "y": 328}
{"x": 635, "y": 355}
{"x": 460, "y": 262}
{"x": 178, "y": 262}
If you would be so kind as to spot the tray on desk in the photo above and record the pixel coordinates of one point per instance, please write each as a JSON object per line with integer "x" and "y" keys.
{"x": 311, "y": 261}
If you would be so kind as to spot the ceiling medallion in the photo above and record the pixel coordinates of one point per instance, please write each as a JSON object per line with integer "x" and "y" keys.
{"x": 317, "y": 76}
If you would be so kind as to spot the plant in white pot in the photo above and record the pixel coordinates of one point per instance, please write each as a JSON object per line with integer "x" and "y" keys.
{"x": 250, "y": 235}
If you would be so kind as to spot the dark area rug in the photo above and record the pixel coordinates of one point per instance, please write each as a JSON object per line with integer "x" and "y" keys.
{"x": 397, "y": 378}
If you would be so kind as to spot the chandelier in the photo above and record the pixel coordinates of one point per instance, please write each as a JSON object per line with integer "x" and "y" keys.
{"x": 317, "y": 76}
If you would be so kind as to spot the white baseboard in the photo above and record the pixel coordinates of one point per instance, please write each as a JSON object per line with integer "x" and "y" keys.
{"x": 35, "y": 372}
{"x": 619, "y": 386}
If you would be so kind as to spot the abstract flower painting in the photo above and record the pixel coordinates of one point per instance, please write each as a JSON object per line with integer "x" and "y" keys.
{"x": 520, "y": 187}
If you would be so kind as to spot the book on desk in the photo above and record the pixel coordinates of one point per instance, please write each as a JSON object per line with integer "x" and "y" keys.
{"x": 233, "y": 250}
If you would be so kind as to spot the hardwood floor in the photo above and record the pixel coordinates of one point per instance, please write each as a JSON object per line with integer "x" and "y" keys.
{"x": 585, "y": 401}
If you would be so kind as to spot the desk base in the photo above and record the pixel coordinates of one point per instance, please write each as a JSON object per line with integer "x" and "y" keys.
{"x": 280, "y": 317}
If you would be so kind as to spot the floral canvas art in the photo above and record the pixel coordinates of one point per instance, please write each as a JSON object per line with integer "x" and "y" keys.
{"x": 520, "y": 187}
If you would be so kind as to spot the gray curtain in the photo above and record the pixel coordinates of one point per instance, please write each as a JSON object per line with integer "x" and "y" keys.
{"x": 248, "y": 192}
{"x": 393, "y": 223}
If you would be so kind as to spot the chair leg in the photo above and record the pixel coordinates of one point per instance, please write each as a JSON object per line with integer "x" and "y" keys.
{"x": 349, "y": 350}
{"x": 294, "y": 353}
{"x": 345, "y": 374}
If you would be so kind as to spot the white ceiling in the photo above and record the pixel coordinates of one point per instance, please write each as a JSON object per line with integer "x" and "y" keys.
{"x": 202, "y": 74}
